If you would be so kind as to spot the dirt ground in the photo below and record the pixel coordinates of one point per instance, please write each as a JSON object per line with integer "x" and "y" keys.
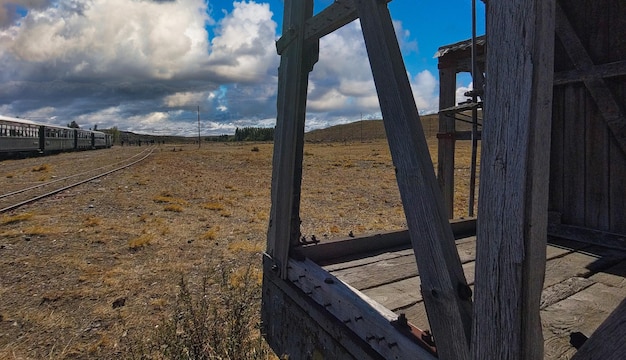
{"x": 96, "y": 265}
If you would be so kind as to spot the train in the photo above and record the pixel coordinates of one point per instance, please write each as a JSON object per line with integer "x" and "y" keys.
{"x": 23, "y": 137}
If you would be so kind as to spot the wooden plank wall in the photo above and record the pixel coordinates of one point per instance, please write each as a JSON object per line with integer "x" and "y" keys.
{"x": 588, "y": 167}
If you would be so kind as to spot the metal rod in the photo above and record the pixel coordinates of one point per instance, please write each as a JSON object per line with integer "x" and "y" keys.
{"x": 472, "y": 184}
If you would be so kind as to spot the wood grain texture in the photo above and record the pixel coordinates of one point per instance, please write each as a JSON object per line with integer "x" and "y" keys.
{"x": 610, "y": 109}
{"x": 513, "y": 196}
{"x": 582, "y": 312}
{"x": 445, "y": 144}
{"x": 427, "y": 219}
{"x": 574, "y": 156}
{"x": 295, "y": 64}
{"x": 608, "y": 341}
{"x": 369, "y": 320}
{"x": 617, "y": 176}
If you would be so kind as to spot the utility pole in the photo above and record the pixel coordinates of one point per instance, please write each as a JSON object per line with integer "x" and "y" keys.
{"x": 198, "y": 126}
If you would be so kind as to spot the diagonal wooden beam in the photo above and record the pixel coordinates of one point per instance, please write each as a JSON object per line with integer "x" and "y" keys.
{"x": 607, "y": 342}
{"x": 609, "y": 108}
{"x": 446, "y": 295}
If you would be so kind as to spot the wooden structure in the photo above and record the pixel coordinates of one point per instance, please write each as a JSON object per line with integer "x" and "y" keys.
{"x": 455, "y": 59}
{"x": 358, "y": 297}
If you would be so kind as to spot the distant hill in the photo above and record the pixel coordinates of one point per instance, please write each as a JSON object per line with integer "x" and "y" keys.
{"x": 357, "y": 131}
{"x": 374, "y": 129}
{"x": 366, "y": 130}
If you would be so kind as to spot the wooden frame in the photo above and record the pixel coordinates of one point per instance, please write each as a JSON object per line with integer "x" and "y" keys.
{"x": 504, "y": 320}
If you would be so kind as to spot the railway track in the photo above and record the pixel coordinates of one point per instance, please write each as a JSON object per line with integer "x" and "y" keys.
{"x": 28, "y": 194}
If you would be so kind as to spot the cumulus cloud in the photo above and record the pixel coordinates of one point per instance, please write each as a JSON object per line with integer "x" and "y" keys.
{"x": 84, "y": 58}
{"x": 243, "y": 49}
{"x": 146, "y": 65}
{"x": 342, "y": 81}
{"x": 10, "y": 9}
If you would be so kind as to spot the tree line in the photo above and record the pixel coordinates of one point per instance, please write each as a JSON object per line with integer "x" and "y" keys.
{"x": 254, "y": 134}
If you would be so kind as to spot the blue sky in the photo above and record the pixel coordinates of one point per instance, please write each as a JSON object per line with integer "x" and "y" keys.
{"x": 146, "y": 65}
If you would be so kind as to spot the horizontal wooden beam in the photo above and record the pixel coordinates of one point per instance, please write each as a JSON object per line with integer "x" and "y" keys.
{"x": 353, "y": 246}
{"x": 335, "y": 16}
{"x": 608, "y": 70}
{"x": 589, "y": 236}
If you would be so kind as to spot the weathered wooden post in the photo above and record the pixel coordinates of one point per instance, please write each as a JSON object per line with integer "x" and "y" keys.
{"x": 512, "y": 226}
{"x": 297, "y": 60}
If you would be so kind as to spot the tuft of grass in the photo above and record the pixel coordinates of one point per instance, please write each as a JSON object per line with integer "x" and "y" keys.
{"x": 210, "y": 234}
{"x": 92, "y": 221}
{"x": 15, "y": 218}
{"x": 30, "y": 231}
{"x": 255, "y": 149}
{"x": 173, "y": 208}
{"x": 42, "y": 167}
{"x": 213, "y": 206}
{"x": 140, "y": 241}
{"x": 246, "y": 246}
{"x": 169, "y": 200}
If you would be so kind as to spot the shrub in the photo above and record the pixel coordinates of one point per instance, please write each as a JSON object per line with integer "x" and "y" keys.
{"x": 218, "y": 322}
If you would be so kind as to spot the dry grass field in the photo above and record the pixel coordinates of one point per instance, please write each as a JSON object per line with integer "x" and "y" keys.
{"x": 124, "y": 266}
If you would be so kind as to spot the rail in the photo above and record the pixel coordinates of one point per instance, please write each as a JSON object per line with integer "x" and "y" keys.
{"x": 143, "y": 154}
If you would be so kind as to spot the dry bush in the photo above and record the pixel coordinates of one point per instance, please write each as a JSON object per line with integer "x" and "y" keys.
{"x": 216, "y": 320}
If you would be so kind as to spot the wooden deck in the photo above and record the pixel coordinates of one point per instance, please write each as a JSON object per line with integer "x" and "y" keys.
{"x": 583, "y": 284}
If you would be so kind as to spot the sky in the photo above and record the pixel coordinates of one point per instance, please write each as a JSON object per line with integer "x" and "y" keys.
{"x": 147, "y": 65}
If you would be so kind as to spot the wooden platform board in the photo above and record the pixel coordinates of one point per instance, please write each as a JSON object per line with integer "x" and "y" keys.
{"x": 583, "y": 285}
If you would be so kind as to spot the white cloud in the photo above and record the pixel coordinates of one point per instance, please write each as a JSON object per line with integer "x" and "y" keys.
{"x": 186, "y": 98}
{"x": 112, "y": 38}
{"x": 461, "y": 90}
{"x": 426, "y": 92}
{"x": 243, "y": 49}
{"x": 142, "y": 65}
{"x": 8, "y": 7}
